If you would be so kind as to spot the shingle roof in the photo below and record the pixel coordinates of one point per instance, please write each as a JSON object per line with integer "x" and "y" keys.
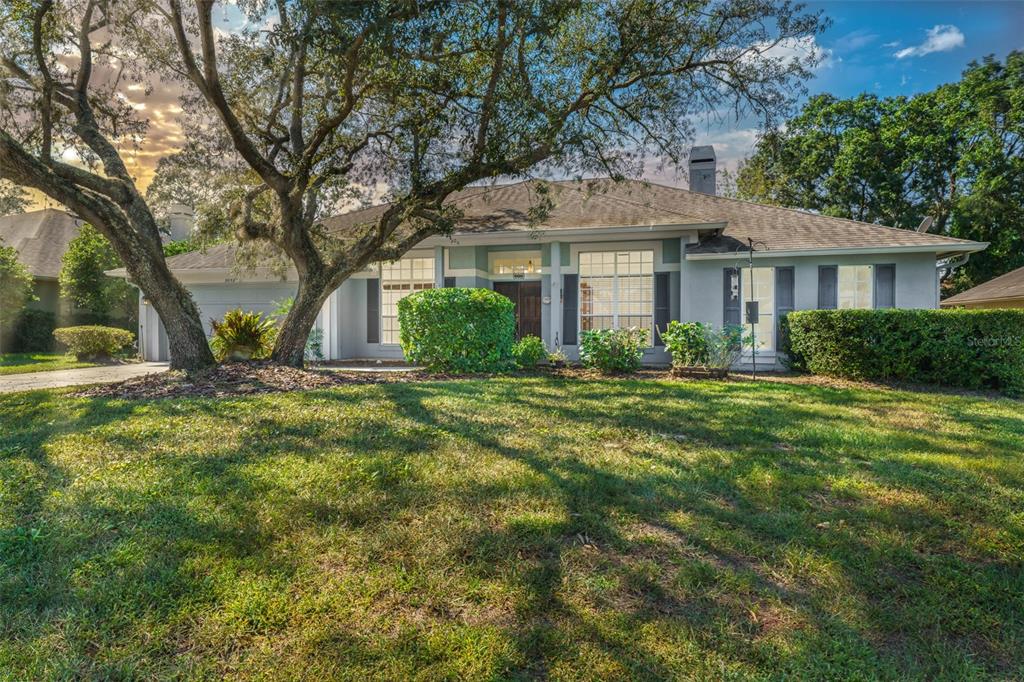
{"x": 1005, "y": 287}
{"x": 603, "y": 203}
{"x": 780, "y": 229}
{"x": 40, "y": 238}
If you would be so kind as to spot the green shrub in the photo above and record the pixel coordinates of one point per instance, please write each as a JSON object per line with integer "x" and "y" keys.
{"x": 34, "y": 331}
{"x": 964, "y": 348}
{"x": 528, "y": 351}
{"x": 242, "y": 336}
{"x": 93, "y": 342}
{"x": 458, "y": 329}
{"x": 693, "y": 344}
{"x": 687, "y": 343}
{"x": 613, "y": 350}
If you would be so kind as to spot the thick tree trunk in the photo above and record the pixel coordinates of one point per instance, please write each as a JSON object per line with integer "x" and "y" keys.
{"x": 290, "y": 347}
{"x": 186, "y": 338}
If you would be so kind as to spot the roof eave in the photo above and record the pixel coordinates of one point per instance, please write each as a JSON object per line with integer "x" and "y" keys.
{"x": 939, "y": 250}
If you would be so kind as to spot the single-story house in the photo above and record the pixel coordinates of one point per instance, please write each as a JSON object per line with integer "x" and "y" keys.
{"x": 608, "y": 254}
{"x": 41, "y": 238}
{"x": 1005, "y": 291}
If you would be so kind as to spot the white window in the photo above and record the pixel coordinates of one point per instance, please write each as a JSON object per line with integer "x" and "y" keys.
{"x": 398, "y": 280}
{"x": 856, "y": 286}
{"x": 515, "y": 263}
{"x": 617, "y": 290}
{"x": 759, "y": 285}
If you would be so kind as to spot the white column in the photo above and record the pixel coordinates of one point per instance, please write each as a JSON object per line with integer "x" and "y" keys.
{"x": 684, "y": 289}
{"x": 556, "y": 294}
{"x": 439, "y": 266}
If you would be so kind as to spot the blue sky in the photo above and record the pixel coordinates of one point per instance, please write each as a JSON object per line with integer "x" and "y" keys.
{"x": 890, "y": 48}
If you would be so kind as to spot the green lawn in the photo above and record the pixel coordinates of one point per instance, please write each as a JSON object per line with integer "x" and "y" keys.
{"x": 514, "y": 528}
{"x": 21, "y": 363}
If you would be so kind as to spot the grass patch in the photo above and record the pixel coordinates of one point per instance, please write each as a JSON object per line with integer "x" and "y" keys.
{"x": 23, "y": 363}
{"x": 514, "y": 528}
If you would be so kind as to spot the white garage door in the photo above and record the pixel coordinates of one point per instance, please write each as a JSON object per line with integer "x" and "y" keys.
{"x": 216, "y": 299}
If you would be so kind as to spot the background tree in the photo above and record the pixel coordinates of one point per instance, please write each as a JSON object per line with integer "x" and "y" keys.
{"x": 426, "y": 98}
{"x": 82, "y": 278}
{"x": 13, "y": 199}
{"x": 61, "y": 69}
{"x": 15, "y": 287}
{"x": 953, "y": 154}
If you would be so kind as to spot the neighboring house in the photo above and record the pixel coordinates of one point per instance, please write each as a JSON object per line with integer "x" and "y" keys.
{"x": 41, "y": 238}
{"x": 1005, "y": 291}
{"x": 608, "y": 255}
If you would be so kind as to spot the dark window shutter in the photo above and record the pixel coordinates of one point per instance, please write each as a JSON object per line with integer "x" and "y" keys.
{"x": 828, "y": 287}
{"x": 730, "y": 305}
{"x": 570, "y": 303}
{"x": 662, "y": 297}
{"x": 784, "y": 297}
{"x": 885, "y": 286}
{"x": 373, "y": 310}
{"x": 449, "y": 282}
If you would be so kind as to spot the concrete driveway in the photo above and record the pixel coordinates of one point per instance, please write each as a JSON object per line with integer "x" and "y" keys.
{"x": 78, "y": 377}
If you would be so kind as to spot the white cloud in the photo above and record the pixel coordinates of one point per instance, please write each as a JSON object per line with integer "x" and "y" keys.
{"x": 800, "y": 49}
{"x": 941, "y": 38}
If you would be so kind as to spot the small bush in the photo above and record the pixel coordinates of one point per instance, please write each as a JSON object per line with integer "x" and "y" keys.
{"x": 963, "y": 348}
{"x": 613, "y": 350}
{"x": 528, "y": 351}
{"x": 458, "y": 329}
{"x": 242, "y": 336}
{"x": 687, "y": 343}
{"x": 93, "y": 342}
{"x": 33, "y": 332}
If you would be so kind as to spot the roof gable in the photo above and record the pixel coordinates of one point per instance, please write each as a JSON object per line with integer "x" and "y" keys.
{"x": 40, "y": 238}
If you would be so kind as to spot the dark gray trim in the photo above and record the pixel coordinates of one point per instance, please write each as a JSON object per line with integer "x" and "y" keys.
{"x": 731, "y": 306}
{"x": 828, "y": 287}
{"x": 785, "y": 297}
{"x": 885, "y": 286}
{"x": 449, "y": 282}
{"x": 373, "y": 310}
{"x": 570, "y": 306}
{"x": 662, "y": 310}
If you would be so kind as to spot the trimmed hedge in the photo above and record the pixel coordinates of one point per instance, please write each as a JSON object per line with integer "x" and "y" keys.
{"x": 964, "y": 348}
{"x": 92, "y": 342}
{"x": 458, "y": 329}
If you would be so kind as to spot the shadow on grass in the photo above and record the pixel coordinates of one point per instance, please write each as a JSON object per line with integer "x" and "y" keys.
{"x": 784, "y": 530}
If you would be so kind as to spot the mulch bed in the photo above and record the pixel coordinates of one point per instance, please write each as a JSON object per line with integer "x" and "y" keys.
{"x": 251, "y": 378}
{"x": 243, "y": 378}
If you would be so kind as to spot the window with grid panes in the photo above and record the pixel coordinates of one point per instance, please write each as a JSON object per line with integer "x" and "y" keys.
{"x": 398, "y": 280}
{"x": 617, "y": 290}
{"x": 856, "y": 286}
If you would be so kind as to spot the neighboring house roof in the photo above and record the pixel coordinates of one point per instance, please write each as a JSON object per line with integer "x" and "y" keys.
{"x": 40, "y": 238}
{"x": 604, "y": 203}
{"x": 1003, "y": 288}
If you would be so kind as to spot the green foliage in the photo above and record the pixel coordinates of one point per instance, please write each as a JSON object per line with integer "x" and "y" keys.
{"x": 183, "y": 246}
{"x": 528, "y": 351}
{"x": 242, "y": 336}
{"x": 13, "y": 199}
{"x": 84, "y": 282}
{"x": 687, "y": 343}
{"x": 964, "y": 348}
{"x": 34, "y": 330}
{"x": 693, "y": 344}
{"x": 458, "y": 329}
{"x": 15, "y": 285}
{"x": 93, "y": 341}
{"x": 953, "y": 154}
{"x": 613, "y": 350}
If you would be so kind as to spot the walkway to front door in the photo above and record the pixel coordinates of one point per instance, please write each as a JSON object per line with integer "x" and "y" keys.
{"x": 526, "y": 296}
